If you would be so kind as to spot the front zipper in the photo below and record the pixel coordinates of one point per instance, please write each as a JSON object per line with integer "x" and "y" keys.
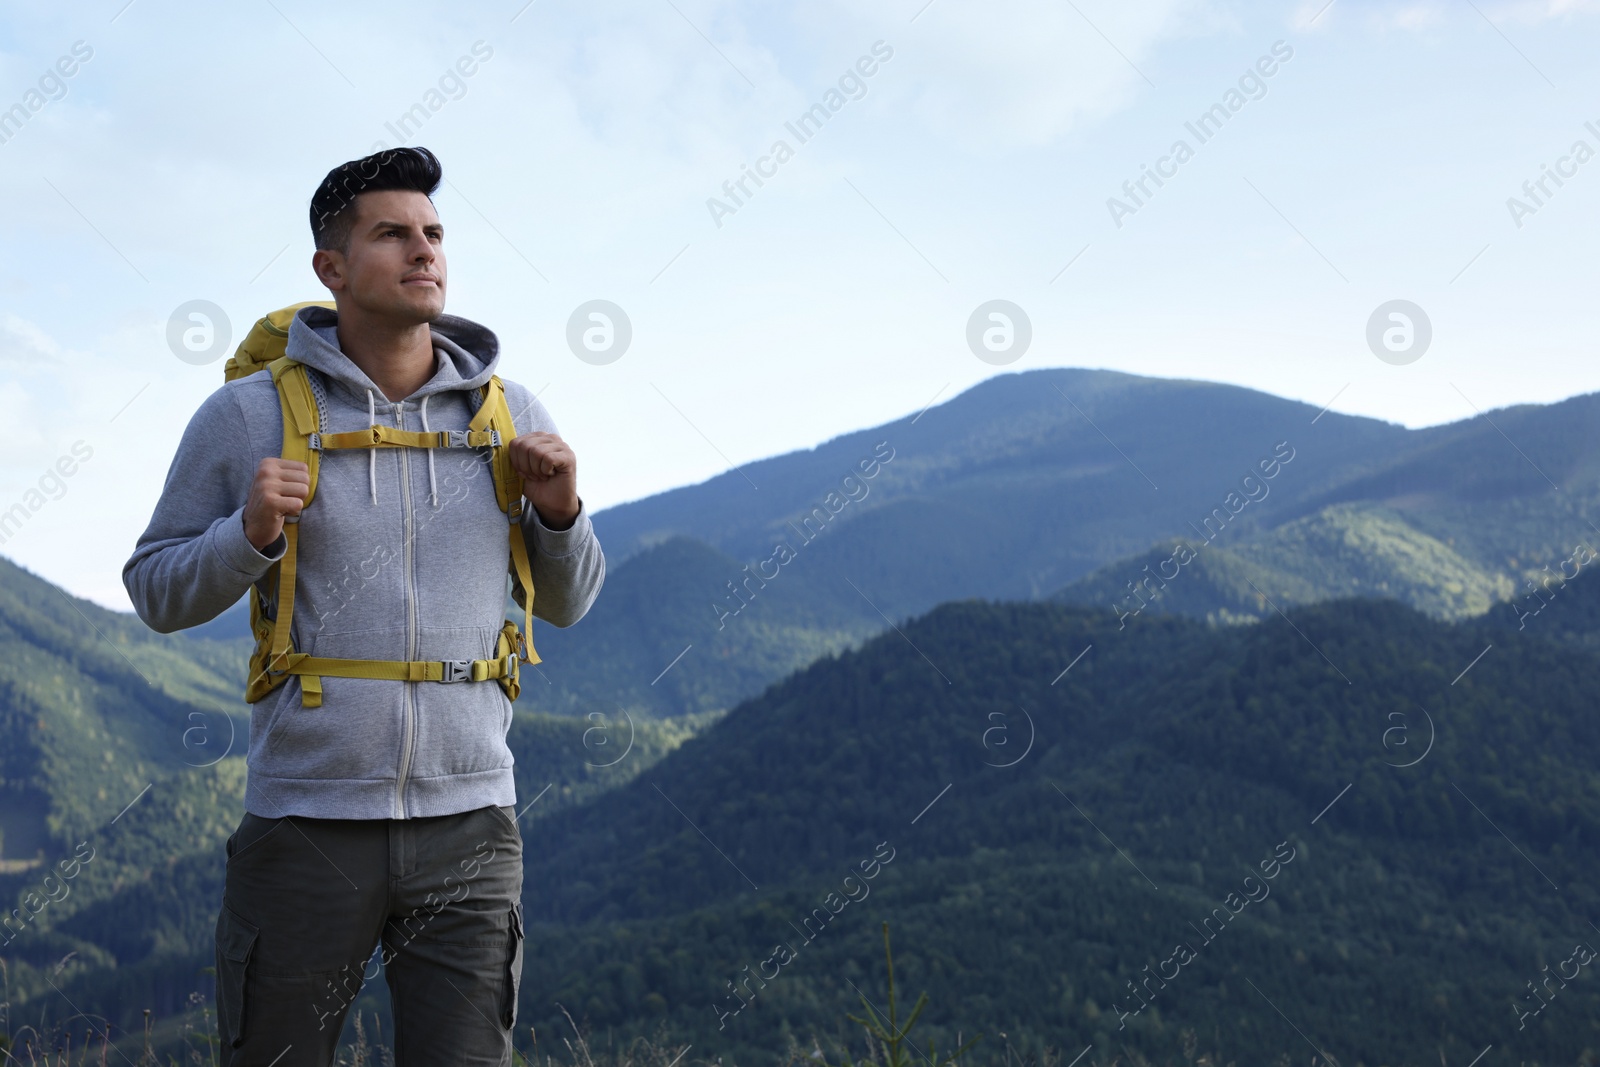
{"x": 408, "y": 729}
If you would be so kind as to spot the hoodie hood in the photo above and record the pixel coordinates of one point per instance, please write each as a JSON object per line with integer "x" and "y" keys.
{"x": 465, "y": 355}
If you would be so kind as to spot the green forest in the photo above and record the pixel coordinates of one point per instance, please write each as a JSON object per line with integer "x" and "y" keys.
{"x": 1053, "y": 838}
{"x": 1329, "y": 792}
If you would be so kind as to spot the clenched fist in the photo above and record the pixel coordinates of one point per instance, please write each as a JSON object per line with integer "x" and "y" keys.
{"x": 549, "y": 473}
{"x": 279, "y": 490}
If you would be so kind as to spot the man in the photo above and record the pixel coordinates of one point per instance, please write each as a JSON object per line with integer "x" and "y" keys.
{"x": 386, "y": 814}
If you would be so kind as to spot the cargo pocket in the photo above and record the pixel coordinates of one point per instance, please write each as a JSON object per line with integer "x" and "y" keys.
{"x": 513, "y": 983}
{"x": 235, "y": 941}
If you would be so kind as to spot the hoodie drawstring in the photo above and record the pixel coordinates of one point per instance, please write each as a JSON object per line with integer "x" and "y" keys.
{"x": 372, "y": 453}
{"x": 433, "y": 485}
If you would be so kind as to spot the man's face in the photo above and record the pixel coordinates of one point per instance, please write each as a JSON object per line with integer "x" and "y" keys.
{"x": 395, "y": 268}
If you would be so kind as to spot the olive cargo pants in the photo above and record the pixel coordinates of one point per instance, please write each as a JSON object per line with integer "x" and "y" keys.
{"x": 306, "y": 901}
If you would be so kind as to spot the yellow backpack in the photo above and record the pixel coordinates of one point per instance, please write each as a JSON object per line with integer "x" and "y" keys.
{"x": 274, "y": 660}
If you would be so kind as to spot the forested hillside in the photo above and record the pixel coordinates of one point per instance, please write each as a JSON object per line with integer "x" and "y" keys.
{"x": 1443, "y": 830}
{"x": 1046, "y": 804}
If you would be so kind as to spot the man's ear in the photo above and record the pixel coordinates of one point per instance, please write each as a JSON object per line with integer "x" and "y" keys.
{"x": 329, "y": 267}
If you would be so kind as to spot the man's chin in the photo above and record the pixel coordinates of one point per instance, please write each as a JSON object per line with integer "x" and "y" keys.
{"x": 424, "y": 302}
{"x": 408, "y": 308}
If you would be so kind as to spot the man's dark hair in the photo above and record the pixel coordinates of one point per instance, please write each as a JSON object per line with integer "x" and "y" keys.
{"x": 333, "y": 208}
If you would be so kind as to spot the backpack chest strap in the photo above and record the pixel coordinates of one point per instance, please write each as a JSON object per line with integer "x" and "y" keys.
{"x": 389, "y": 437}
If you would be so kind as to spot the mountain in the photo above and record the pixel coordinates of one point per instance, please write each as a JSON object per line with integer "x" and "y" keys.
{"x": 989, "y": 480}
{"x": 1065, "y": 483}
{"x": 1050, "y": 483}
{"x": 1425, "y": 803}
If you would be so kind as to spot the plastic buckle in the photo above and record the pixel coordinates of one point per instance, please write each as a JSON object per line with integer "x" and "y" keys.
{"x": 453, "y": 438}
{"x": 494, "y": 438}
{"x": 315, "y": 442}
{"x": 456, "y": 670}
{"x": 514, "y": 512}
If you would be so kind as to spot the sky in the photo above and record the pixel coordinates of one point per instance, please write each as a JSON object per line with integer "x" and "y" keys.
{"x": 1357, "y": 154}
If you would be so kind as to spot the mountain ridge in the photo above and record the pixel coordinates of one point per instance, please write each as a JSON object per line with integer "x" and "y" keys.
{"x": 1034, "y": 482}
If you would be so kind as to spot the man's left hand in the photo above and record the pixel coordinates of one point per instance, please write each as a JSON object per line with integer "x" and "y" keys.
{"x": 549, "y": 473}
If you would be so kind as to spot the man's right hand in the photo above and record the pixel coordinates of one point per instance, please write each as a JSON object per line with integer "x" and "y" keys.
{"x": 279, "y": 490}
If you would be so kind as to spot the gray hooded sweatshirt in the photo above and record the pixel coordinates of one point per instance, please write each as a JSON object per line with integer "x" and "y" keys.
{"x": 403, "y": 556}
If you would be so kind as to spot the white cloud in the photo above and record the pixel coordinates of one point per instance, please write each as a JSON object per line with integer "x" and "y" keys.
{"x": 1533, "y": 12}
{"x": 1416, "y": 15}
{"x": 1010, "y": 72}
{"x": 24, "y": 343}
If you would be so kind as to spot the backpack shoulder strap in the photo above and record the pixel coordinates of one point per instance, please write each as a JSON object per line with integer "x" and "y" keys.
{"x": 299, "y": 414}
{"x": 495, "y": 414}
{"x": 299, "y": 424}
